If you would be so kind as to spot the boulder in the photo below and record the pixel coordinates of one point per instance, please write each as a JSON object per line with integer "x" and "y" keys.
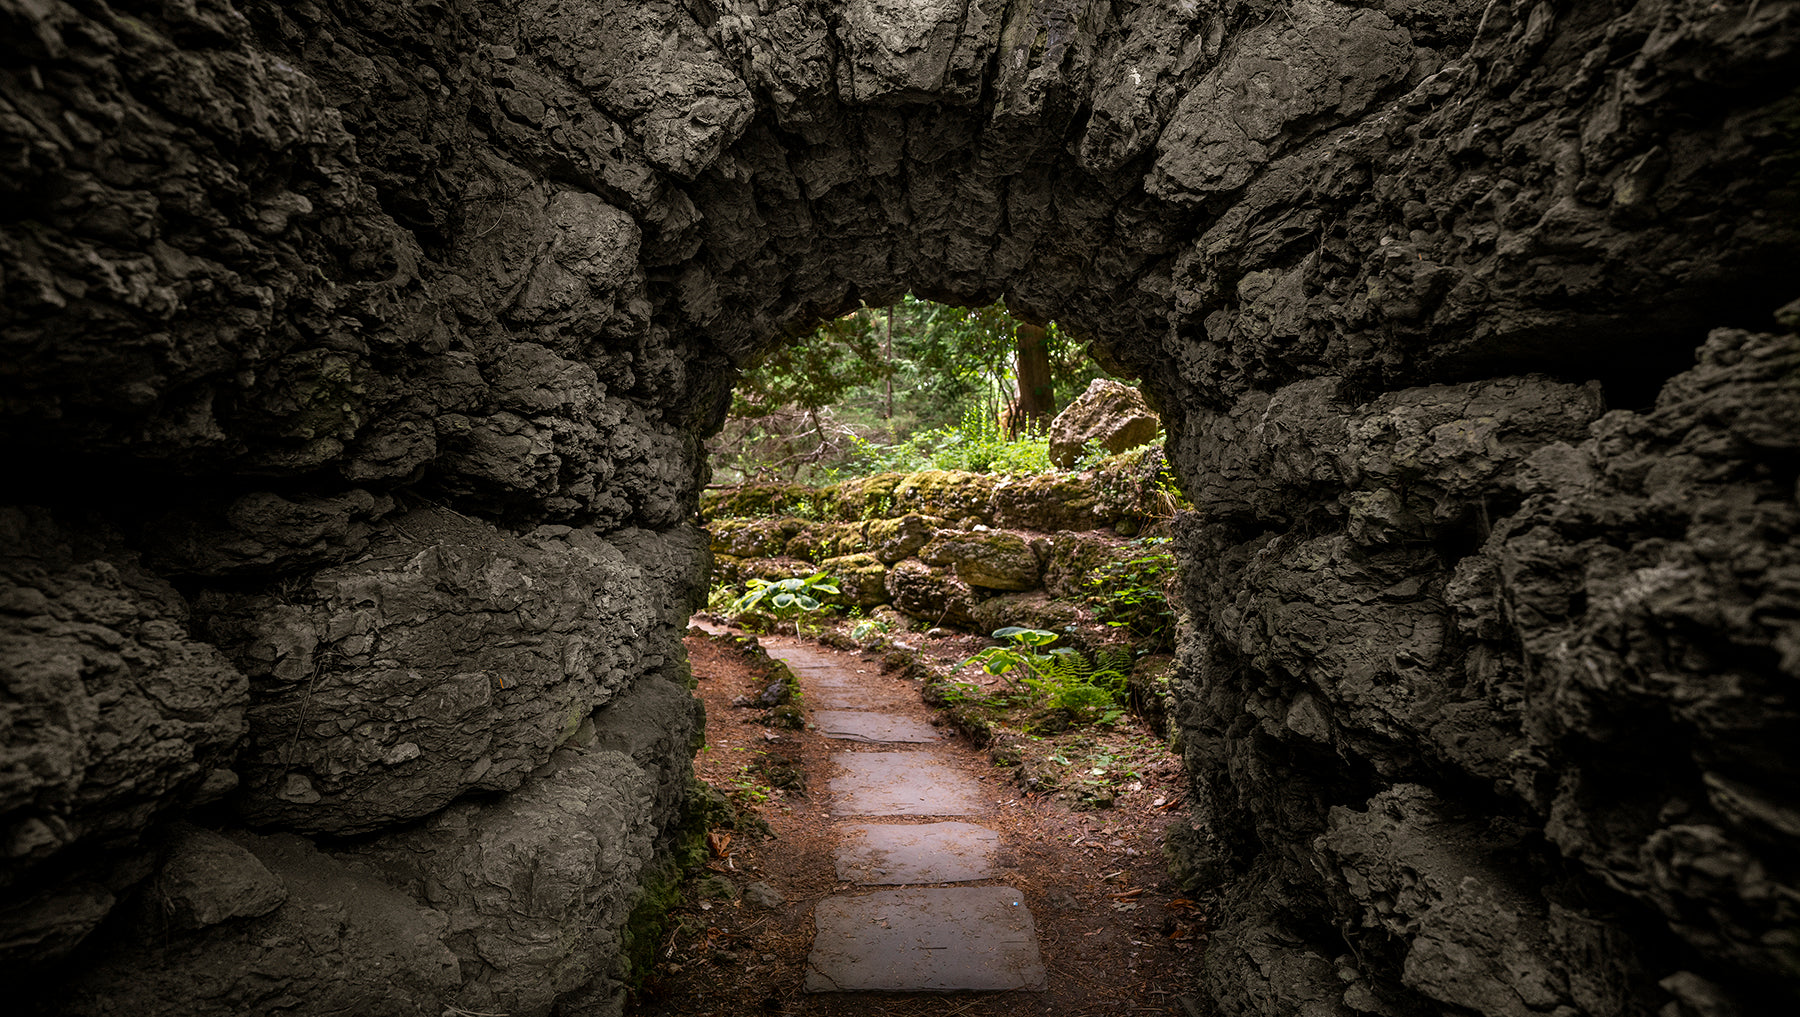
{"x": 818, "y": 541}
{"x": 345, "y": 941}
{"x": 951, "y": 494}
{"x": 1048, "y": 502}
{"x": 994, "y": 559}
{"x": 1032, "y": 610}
{"x": 1114, "y": 415}
{"x": 931, "y": 595}
{"x": 455, "y": 658}
{"x": 753, "y": 538}
{"x": 207, "y": 879}
{"x": 896, "y": 538}
{"x": 862, "y": 579}
{"x": 868, "y": 497}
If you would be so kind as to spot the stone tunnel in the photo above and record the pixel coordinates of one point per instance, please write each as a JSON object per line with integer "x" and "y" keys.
{"x": 358, "y": 354}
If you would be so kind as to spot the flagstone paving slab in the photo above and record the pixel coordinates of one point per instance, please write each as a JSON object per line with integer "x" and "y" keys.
{"x": 900, "y": 784}
{"x": 866, "y": 726}
{"x": 978, "y": 938}
{"x": 887, "y": 854}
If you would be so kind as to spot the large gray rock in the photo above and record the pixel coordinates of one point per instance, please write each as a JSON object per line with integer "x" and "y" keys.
{"x": 113, "y": 715}
{"x": 344, "y": 941}
{"x": 1112, "y": 415}
{"x": 454, "y": 659}
{"x": 536, "y": 886}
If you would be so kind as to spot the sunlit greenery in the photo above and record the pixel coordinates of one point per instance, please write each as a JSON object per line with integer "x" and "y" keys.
{"x": 914, "y": 386}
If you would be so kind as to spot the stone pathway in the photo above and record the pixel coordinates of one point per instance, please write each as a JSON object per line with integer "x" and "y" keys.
{"x": 918, "y": 938}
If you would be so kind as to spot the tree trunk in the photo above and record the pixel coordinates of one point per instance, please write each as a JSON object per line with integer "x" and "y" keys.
{"x": 1036, "y": 404}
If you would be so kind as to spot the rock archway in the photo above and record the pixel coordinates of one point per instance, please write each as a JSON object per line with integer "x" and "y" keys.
{"x": 359, "y": 352}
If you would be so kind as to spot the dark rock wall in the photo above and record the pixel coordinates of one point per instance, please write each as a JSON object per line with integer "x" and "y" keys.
{"x": 358, "y": 354}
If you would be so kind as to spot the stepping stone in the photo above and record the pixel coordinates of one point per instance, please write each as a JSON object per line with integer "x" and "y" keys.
{"x": 977, "y": 938}
{"x": 863, "y": 726}
{"x": 900, "y": 784}
{"x": 885, "y": 854}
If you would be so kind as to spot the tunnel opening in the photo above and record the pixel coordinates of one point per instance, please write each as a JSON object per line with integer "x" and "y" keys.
{"x": 321, "y": 258}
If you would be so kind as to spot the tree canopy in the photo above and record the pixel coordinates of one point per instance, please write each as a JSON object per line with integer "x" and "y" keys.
{"x": 880, "y": 377}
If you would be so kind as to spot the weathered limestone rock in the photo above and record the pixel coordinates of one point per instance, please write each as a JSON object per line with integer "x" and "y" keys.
{"x": 868, "y": 497}
{"x": 826, "y": 540}
{"x": 455, "y": 659}
{"x": 279, "y": 265}
{"x": 1479, "y": 934}
{"x": 560, "y": 858}
{"x": 114, "y": 715}
{"x": 1049, "y": 502}
{"x": 994, "y": 559}
{"x": 263, "y": 531}
{"x": 753, "y": 538}
{"x": 893, "y": 539}
{"x": 344, "y": 939}
{"x": 948, "y": 494}
{"x": 862, "y": 578}
{"x": 931, "y": 594}
{"x": 207, "y": 879}
{"x": 1109, "y": 414}
{"x": 1033, "y": 610}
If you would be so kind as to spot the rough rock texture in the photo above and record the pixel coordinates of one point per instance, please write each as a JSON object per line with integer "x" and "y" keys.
{"x": 1402, "y": 277}
{"x": 993, "y": 559}
{"x": 1108, "y": 414}
{"x": 206, "y": 879}
{"x": 454, "y": 659}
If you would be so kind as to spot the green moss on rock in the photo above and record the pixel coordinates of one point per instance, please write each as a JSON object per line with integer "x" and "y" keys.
{"x": 818, "y": 541}
{"x": 752, "y": 501}
{"x": 753, "y": 538}
{"x": 1049, "y": 502}
{"x": 993, "y": 559}
{"x": 868, "y": 497}
{"x": 894, "y": 539}
{"x": 952, "y": 494}
{"x": 1033, "y": 610}
{"x": 862, "y": 578}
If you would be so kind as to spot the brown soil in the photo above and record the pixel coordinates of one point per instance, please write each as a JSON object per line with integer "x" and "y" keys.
{"x": 1116, "y": 937}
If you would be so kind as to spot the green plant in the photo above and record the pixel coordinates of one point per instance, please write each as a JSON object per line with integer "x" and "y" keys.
{"x": 1130, "y": 594}
{"x": 1001, "y": 660}
{"x": 747, "y": 785}
{"x": 1090, "y": 688}
{"x": 787, "y": 598}
{"x": 868, "y": 628}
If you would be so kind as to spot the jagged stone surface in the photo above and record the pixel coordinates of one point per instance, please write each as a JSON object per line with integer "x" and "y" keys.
{"x": 274, "y": 265}
{"x": 455, "y": 659}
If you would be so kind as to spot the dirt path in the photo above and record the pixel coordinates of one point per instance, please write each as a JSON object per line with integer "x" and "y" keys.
{"x": 1111, "y": 936}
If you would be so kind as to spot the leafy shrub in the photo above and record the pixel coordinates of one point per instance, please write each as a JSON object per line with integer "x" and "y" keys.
{"x": 1092, "y": 690}
{"x": 786, "y": 598}
{"x": 1132, "y": 594}
{"x": 977, "y": 445}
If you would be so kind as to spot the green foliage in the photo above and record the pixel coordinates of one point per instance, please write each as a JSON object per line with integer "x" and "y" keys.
{"x": 1001, "y": 660}
{"x": 977, "y": 445}
{"x": 1140, "y": 482}
{"x": 1131, "y": 594}
{"x": 914, "y": 386}
{"x": 1090, "y": 688}
{"x": 785, "y": 598}
{"x": 868, "y": 628}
